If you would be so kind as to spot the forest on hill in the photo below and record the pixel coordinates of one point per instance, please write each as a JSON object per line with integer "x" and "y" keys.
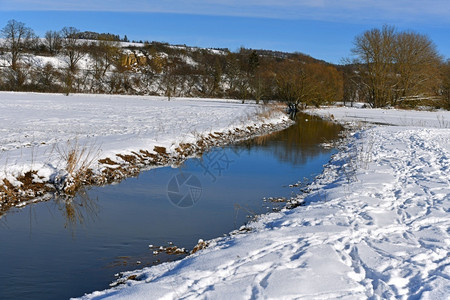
{"x": 389, "y": 68}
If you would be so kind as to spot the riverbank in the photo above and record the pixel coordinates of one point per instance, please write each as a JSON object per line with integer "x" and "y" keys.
{"x": 56, "y": 144}
{"x": 375, "y": 225}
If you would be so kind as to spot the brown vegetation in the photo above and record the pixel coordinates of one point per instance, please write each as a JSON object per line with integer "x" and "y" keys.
{"x": 29, "y": 186}
{"x": 445, "y": 85}
{"x": 394, "y": 67}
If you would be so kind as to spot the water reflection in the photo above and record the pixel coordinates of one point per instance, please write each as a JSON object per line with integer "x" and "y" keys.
{"x": 78, "y": 210}
{"x": 308, "y": 131}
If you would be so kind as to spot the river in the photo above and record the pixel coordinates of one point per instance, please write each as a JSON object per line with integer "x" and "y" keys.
{"x": 60, "y": 249}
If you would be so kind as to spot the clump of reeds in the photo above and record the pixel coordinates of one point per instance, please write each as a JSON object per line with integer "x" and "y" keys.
{"x": 79, "y": 159}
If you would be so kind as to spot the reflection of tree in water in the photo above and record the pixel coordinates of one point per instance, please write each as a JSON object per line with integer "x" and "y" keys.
{"x": 76, "y": 210}
{"x": 300, "y": 142}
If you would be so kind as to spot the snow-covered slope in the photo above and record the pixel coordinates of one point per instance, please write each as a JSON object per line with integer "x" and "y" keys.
{"x": 376, "y": 226}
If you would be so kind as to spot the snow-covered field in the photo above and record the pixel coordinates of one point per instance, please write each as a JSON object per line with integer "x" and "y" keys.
{"x": 376, "y": 226}
{"x": 38, "y": 130}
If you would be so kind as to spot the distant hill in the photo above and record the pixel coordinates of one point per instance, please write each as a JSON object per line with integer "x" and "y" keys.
{"x": 91, "y": 62}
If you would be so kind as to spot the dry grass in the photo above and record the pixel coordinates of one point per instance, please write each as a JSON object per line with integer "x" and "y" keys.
{"x": 79, "y": 159}
{"x": 358, "y": 155}
{"x": 443, "y": 123}
{"x": 267, "y": 111}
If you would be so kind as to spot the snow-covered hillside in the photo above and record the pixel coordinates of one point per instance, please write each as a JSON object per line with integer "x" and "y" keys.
{"x": 375, "y": 226}
{"x": 153, "y": 68}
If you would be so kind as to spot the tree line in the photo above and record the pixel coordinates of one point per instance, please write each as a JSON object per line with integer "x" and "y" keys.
{"x": 99, "y": 63}
{"x": 390, "y": 68}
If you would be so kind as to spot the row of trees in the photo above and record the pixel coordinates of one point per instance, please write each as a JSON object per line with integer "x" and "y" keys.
{"x": 389, "y": 68}
{"x": 161, "y": 69}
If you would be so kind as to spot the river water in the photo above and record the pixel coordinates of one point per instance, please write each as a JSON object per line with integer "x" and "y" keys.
{"x": 61, "y": 249}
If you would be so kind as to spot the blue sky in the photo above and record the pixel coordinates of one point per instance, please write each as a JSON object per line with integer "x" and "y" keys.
{"x": 324, "y": 29}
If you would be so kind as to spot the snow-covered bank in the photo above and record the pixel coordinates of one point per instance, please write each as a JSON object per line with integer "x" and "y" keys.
{"x": 437, "y": 119}
{"x": 376, "y": 225}
{"x": 39, "y": 132}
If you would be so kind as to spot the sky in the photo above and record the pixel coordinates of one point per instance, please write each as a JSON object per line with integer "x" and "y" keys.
{"x": 324, "y": 29}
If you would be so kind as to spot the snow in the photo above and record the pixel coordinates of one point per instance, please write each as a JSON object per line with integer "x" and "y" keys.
{"x": 375, "y": 225}
{"x": 37, "y": 129}
{"x": 438, "y": 119}
{"x": 189, "y": 61}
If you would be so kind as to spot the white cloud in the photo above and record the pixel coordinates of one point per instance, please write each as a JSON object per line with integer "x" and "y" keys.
{"x": 331, "y": 10}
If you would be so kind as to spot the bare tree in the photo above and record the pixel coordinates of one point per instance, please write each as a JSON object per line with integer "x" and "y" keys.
{"x": 395, "y": 66}
{"x": 353, "y": 90}
{"x": 18, "y": 38}
{"x": 105, "y": 53}
{"x": 416, "y": 65}
{"x": 326, "y": 84}
{"x": 111, "y": 53}
{"x": 53, "y": 41}
{"x": 292, "y": 84}
{"x": 169, "y": 82}
{"x": 72, "y": 48}
{"x": 47, "y": 79}
{"x": 233, "y": 74}
{"x": 375, "y": 51}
